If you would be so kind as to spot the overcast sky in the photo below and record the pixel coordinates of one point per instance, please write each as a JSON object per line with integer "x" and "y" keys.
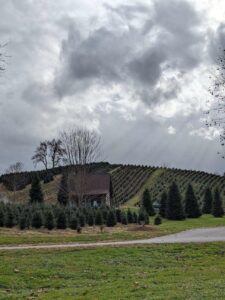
{"x": 136, "y": 71}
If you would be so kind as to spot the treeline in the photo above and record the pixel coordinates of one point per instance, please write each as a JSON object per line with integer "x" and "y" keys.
{"x": 173, "y": 207}
{"x": 37, "y": 215}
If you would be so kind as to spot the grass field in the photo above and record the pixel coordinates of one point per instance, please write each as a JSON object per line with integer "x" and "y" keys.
{"x": 153, "y": 272}
{"x": 15, "y": 236}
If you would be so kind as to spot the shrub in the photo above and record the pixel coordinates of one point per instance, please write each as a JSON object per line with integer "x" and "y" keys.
{"x": 157, "y": 220}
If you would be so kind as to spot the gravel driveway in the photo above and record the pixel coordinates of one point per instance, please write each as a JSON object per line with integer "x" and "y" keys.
{"x": 201, "y": 235}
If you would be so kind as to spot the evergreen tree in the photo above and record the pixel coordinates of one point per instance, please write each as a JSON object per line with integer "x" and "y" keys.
{"x": 130, "y": 216}
{"x": 135, "y": 217}
{"x": 22, "y": 222}
{"x": 63, "y": 195}
{"x": 217, "y": 205}
{"x": 82, "y": 220}
{"x": 143, "y": 217}
{"x": 10, "y": 221}
{"x": 192, "y": 209}
{"x": 61, "y": 222}
{"x": 124, "y": 218}
{"x": 99, "y": 218}
{"x": 49, "y": 220}
{"x": 36, "y": 194}
{"x": 118, "y": 215}
{"x": 74, "y": 222}
{"x": 174, "y": 209}
{"x": 37, "y": 220}
{"x": 111, "y": 219}
{"x": 2, "y": 217}
{"x": 147, "y": 203}
{"x": 163, "y": 204}
{"x": 157, "y": 220}
{"x": 90, "y": 219}
{"x": 207, "y": 203}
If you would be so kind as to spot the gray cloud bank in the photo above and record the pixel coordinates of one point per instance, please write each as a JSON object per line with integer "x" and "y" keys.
{"x": 129, "y": 70}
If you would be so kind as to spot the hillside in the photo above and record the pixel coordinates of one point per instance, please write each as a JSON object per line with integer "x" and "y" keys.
{"x": 129, "y": 182}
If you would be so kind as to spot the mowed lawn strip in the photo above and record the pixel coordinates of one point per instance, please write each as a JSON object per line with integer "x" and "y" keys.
{"x": 15, "y": 236}
{"x": 154, "y": 272}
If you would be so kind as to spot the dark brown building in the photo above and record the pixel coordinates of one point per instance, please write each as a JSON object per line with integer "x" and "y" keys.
{"x": 90, "y": 189}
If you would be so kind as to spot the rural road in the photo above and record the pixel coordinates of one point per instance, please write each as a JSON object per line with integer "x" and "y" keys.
{"x": 201, "y": 235}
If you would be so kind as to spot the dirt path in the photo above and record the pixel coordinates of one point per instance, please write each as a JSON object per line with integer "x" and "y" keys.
{"x": 201, "y": 235}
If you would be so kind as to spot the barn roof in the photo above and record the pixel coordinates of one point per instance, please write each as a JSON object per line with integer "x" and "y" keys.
{"x": 89, "y": 184}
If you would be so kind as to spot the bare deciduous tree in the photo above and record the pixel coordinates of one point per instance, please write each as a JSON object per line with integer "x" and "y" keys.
{"x": 56, "y": 152}
{"x": 2, "y": 57}
{"x": 14, "y": 171}
{"x": 41, "y": 154}
{"x": 82, "y": 147}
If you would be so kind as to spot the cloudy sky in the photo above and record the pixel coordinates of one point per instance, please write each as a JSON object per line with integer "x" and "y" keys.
{"x": 136, "y": 71}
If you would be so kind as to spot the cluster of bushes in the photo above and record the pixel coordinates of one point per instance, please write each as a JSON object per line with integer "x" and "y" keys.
{"x": 62, "y": 217}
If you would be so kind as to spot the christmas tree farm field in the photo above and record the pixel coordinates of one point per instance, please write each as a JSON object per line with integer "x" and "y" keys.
{"x": 192, "y": 271}
{"x": 15, "y": 236}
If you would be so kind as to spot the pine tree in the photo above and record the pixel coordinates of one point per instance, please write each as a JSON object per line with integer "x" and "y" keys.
{"x": 82, "y": 220}
{"x": 143, "y": 217}
{"x": 124, "y": 218}
{"x": 63, "y": 196}
{"x": 118, "y": 215}
{"x": 49, "y": 220}
{"x": 10, "y": 221}
{"x": 99, "y": 218}
{"x": 163, "y": 204}
{"x": 147, "y": 203}
{"x": 61, "y": 222}
{"x": 90, "y": 219}
{"x": 37, "y": 220}
{"x": 174, "y": 209}
{"x": 36, "y": 194}
{"x": 208, "y": 200}
{"x": 22, "y": 222}
{"x": 130, "y": 219}
{"x": 111, "y": 219}
{"x": 74, "y": 222}
{"x": 135, "y": 217}
{"x": 192, "y": 209}
{"x": 217, "y": 205}
{"x": 2, "y": 217}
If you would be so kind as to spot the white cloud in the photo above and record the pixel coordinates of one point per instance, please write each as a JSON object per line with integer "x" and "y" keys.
{"x": 210, "y": 133}
{"x": 171, "y": 130}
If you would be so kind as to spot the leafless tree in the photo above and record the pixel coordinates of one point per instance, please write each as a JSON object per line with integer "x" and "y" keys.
{"x": 56, "y": 152}
{"x": 14, "y": 171}
{"x": 216, "y": 113}
{"x": 3, "y": 57}
{"x": 82, "y": 147}
{"x": 41, "y": 154}
{"x": 49, "y": 153}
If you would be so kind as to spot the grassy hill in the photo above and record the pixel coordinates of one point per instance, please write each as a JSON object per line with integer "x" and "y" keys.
{"x": 129, "y": 182}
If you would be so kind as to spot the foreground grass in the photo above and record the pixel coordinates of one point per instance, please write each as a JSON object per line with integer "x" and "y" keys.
{"x": 153, "y": 272}
{"x": 90, "y": 234}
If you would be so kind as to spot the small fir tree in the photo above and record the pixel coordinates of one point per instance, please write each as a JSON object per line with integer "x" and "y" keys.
{"x": 36, "y": 195}
{"x": 163, "y": 204}
{"x": 49, "y": 220}
{"x": 130, "y": 216}
{"x": 118, "y": 215}
{"x": 82, "y": 220}
{"x": 207, "y": 202}
{"x": 124, "y": 218}
{"x": 10, "y": 221}
{"x": 217, "y": 205}
{"x": 192, "y": 209}
{"x": 174, "y": 209}
{"x": 63, "y": 195}
{"x": 135, "y": 217}
{"x": 143, "y": 217}
{"x": 111, "y": 219}
{"x": 61, "y": 222}
{"x": 147, "y": 203}
{"x": 37, "y": 220}
{"x": 2, "y": 217}
{"x": 99, "y": 218}
{"x": 157, "y": 220}
{"x": 74, "y": 222}
{"x": 90, "y": 219}
{"x": 22, "y": 222}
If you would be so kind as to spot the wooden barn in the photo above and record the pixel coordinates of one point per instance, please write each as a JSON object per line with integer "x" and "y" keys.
{"x": 90, "y": 189}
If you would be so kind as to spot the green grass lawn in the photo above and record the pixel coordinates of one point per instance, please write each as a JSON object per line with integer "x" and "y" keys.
{"x": 193, "y": 271}
{"x": 15, "y": 236}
